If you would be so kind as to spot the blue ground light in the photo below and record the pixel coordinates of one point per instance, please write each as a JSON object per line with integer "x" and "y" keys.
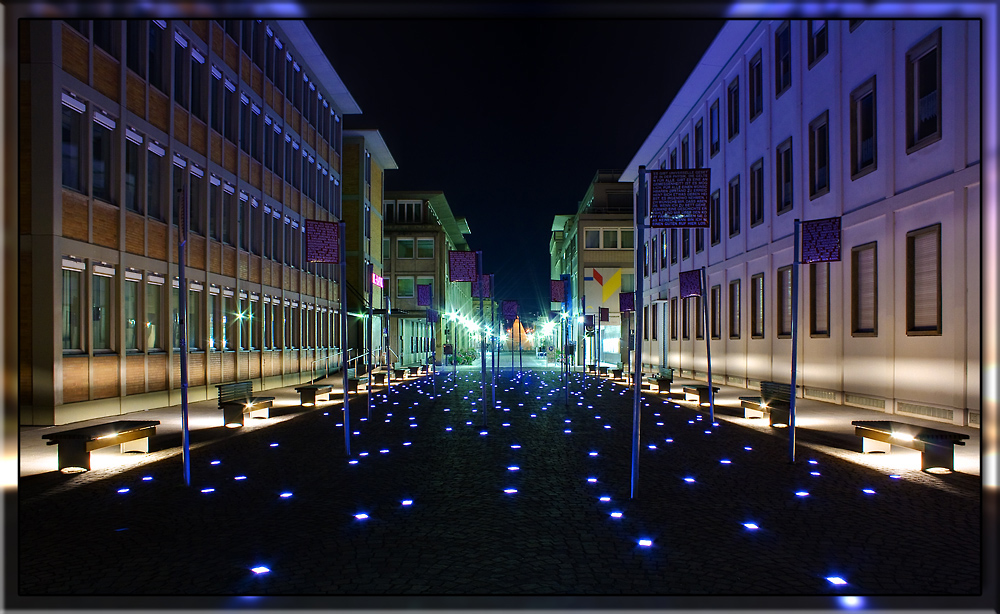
{"x": 260, "y": 569}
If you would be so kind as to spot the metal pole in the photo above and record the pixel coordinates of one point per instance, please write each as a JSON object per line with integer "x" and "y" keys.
{"x": 520, "y": 356}
{"x": 343, "y": 334}
{"x": 482, "y": 334}
{"x": 494, "y": 358}
{"x": 708, "y": 343}
{"x": 795, "y": 343}
{"x": 637, "y": 304}
{"x": 182, "y": 322}
{"x": 371, "y": 325}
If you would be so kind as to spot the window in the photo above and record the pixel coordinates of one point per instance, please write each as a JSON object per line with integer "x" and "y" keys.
{"x": 734, "y": 309}
{"x": 180, "y": 71}
{"x": 245, "y": 124}
{"x": 864, "y": 158}
{"x": 72, "y": 309}
{"x": 734, "y": 206}
{"x": 230, "y": 321}
{"x": 215, "y": 220}
{"x": 218, "y": 101}
{"x": 175, "y": 318}
{"x": 733, "y": 105}
{"x": 133, "y": 145}
{"x": 699, "y": 240}
{"x": 628, "y": 282}
{"x": 757, "y": 193}
{"x": 100, "y": 161}
{"x": 715, "y": 297}
{"x": 177, "y": 189}
{"x": 268, "y": 224}
{"x": 864, "y": 291}
{"x": 699, "y": 144}
{"x": 198, "y": 84}
{"x": 663, "y": 249}
{"x": 686, "y": 318}
{"x": 105, "y": 35}
{"x": 819, "y": 299}
{"x": 783, "y": 176}
{"x": 655, "y": 321}
{"x": 196, "y": 200}
{"x": 246, "y": 319}
{"x": 103, "y": 315}
{"x": 685, "y": 243}
{"x": 592, "y": 239}
{"x": 226, "y": 218}
{"x": 757, "y": 306}
{"x": 923, "y": 93}
{"x": 255, "y": 132}
{"x": 404, "y": 248}
{"x": 610, "y": 238}
{"x": 673, "y": 318}
{"x": 756, "y": 86}
{"x": 645, "y": 322}
{"x": 819, "y": 155}
{"x": 673, "y": 246}
{"x": 404, "y": 287}
{"x": 157, "y": 76}
{"x": 784, "y": 302}
{"x": 782, "y": 59}
{"x": 853, "y": 24}
{"x": 215, "y": 329}
{"x": 817, "y": 40}
{"x": 715, "y": 214}
{"x": 923, "y": 281}
{"x": 196, "y": 336}
{"x": 134, "y": 56}
{"x": 627, "y": 235}
{"x": 645, "y": 259}
{"x": 699, "y": 317}
{"x": 154, "y": 296}
{"x": 673, "y": 158}
{"x": 713, "y": 128}
{"x": 229, "y": 110}
{"x": 130, "y": 305}
{"x": 256, "y": 226}
{"x": 685, "y": 153}
{"x": 72, "y": 143}
{"x": 653, "y": 252}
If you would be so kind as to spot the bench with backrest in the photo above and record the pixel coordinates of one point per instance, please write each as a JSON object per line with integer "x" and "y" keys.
{"x": 936, "y": 447}
{"x": 75, "y": 445}
{"x": 774, "y": 401}
{"x": 236, "y": 398}
{"x": 700, "y": 391}
{"x": 308, "y": 393}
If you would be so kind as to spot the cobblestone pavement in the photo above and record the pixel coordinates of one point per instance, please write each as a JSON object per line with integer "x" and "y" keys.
{"x": 537, "y": 503}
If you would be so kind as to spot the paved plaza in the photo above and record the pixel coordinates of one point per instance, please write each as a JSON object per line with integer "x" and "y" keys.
{"x": 536, "y": 502}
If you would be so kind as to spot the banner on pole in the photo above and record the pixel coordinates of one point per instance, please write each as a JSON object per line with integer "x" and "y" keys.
{"x": 678, "y": 198}
{"x": 690, "y": 283}
{"x": 322, "y": 241}
{"x": 588, "y": 321}
{"x": 557, "y": 291}
{"x": 605, "y": 314}
{"x": 626, "y": 301}
{"x": 378, "y": 280}
{"x": 433, "y": 316}
{"x": 482, "y": 289}
{"x": 424, "y": 295}
{"x": 461, "y": 266}
{"x": 821, "y": 240}
{"x": 509, "y": 309}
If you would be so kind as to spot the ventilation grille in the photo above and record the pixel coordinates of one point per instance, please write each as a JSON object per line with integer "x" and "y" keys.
{"x": 974, "y": 417}
{"x": 925, "y": 410}
{"x": 863, "y": 401}
{"x": 819, "y": 394}
{"x": 733, "y": 380}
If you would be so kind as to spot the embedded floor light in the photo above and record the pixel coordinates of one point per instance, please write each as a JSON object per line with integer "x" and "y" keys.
{"x": 510, "y": 491}
{"x": 567, "y": 431}
{"x": 616, "y": 514}
{"x": 447, "y": 428}
{"x": 813, "y": 462}
{"x": 274, "y": 445}
{"x": 215, "y": 462}
{"x": 645, "y": 542}
{"x": 240, "y": 477}
{"x": 836, "y": 580}
{"x": 689, "y": 480}
{"x": 592, "y": 480}
{"x": 147, "y": 478}
{"x": 669, "y": 440}
{"x": 407, "y": 502}
{"x": 383, "y": 451}
{"x": 123, "y": 490}
{"x": 895, "y": 476}
{"x": 352, "y": 462}
{"x": 363, "y": 454}
{"x": 652, "y": 446}
{"x": 814, "y": 473}
{"x": 593, "y": 453}
{"x": 406, "y": 443}
{"x": 285, "y": 495}
{"x": 259, "y": 569}
{"x": 361, "y": 516}
{"x": 206, "y": 490}
{"x": 726, "y": 461}
{"x": 747, "y": 448}
{"x": 483, "y": 432}
{"x": 515, "y": 446}
{"x": 604, "y": 499}
{"x": 513, "y": 468}
{"x": 751, "y": 526}
{"x": 868, "y": 491}
{"x": 802, "y": 493}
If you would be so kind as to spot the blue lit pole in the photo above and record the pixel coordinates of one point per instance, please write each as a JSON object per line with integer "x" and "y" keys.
{"x": 482, "y": 335}
{"x": 371, "y": 324}
{"x": 708, "y": 343}
{"x": 182, "y": 235}
{"x": 638, "y": 246}
{"x": 494, "y": 358}
{"x": 795, "y": 343}
{"x": 343, "y": 333}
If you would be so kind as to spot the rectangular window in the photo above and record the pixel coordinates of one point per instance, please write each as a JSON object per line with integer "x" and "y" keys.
{"x": 130, "y": 304}
{"x": 196, "y": 200}
{"x": 71, "y": 309}
{"x": 923, "y": 281}
{"x": 645, "y": 259}
{"x": 628, "y": 236}
{"x": 100, "y": 160}
{"x": 256, "y": 225}
{"x": 864, "y": 158}
{"x": 404, "y": 287}
{"x": 198, "y": 74}
{"x": 245, "y": 125}
{"x": 196, "y": 336}
{"x": 673, "y": 246}
{"x": 103, "y": 314}
{"x": 757, "y": 306}
{"x": 404, "y": 248}
{"x": 663, "y": 249}
{"x": 783, "y": 177}
{"x": 819, "y": 299}
{"x": 654, "y": 323}
{"x": 715, "y": 296}
{"x": 699, "y": 240}
{"x": 246, "y": 323}
{"x": 180, "y": 72}
{"x": 154, "y": 296}
{"x": 757, "y": 193}
{"x": 177, "y": 189}
{"x": 645, "y": 322}
{"x": 817, "y": 40}
{"x": 734, "y": 309}
{"x": 157, "y": 76}
{"x": 628, "y": 282}
{"x": 218, "y": 101}
{"x": 685, "y": 243}
{"x": 713, "y": 128}
{"x": 215, "y": 220}
{"x": 734, "y": 206}
{"x": 699, "y": 144}
{"x": 819, "y": 155}
{"x": 175, "y": 318}
{"x": 685, "y": 153}
{"x": 610, "y": 238}
{"x": 864, "y": 290}
{"x": 699, "y": 317}
{"x": 686, "y": 318}
{"x": 653, "y": 252}
{"x": 923, "y": 93}
{"x": 72, "y": 143}
{"x": 134, "y": 56}
{"x": 756, "y": 86}
{"x": 229, "y": 111}
{"x": 133, "y": 146}
{"x": 673, "y": 158}
{"x": 592, "y": 239}
{"x": 425, "y": 248}
{"x": 784, "y": 302}
{"x": 733, "y": 115}
{"x": 673, "y": 318}
{"x": 230, "y": 319}
{"x": 782, "y": 58}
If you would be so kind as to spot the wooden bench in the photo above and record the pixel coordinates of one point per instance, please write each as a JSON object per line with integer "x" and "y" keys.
{"x": 602, "y": 370}
{"x": 76, "y": 445}
{"x": 616, "y": 374}
{"x": 236, "y": 398}
{"x": 936, "y": 447}
{"x": 774, "y": 401}
{"x": 701, "y": 392}
{"x": 309, "y": 393}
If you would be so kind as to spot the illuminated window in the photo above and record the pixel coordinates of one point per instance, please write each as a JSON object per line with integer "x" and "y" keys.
{"x": 673, "y": 318}
{"x": 592, "y": 239}
{"x": 72, "y": 143}
{"x": 699, "y": 144}
{"x": 130, "y": 305}
{"x": 154, "y": 298}
{"x": 715, "y": 213}
{"x": 699, "y": 318}
{"x": 713, "y": 128}
{"x": 404, "y": 287}
{"x": 734, "y": 206}
{"x": 715, "y": 295}
{"x": 404, "y": 248}
{"x": 72, "y": 309}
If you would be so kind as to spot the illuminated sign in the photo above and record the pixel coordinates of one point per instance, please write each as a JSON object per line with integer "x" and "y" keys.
{"x": 378, "y": 280}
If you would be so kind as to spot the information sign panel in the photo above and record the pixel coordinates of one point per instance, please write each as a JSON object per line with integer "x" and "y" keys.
{"x": 558, "y": 291}
{"x": 509, "y": 309}
{"x": 605, "y": 314}
{"x": 821, "y": 240}
{"x": 484, "y": 285}
{"x": 690, "y": 283}
{"x": 424, "y": 296}
{"x": 626, "y": 301}
{"x": 461, "y": 266}
{"x": 322, "y": 241}
{"x": 678, "y": 198}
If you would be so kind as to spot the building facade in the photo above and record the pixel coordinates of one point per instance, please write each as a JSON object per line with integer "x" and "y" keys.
{"x": 123, "y": 124}
{"x": 876, "y": 122}
{"x": 420, "y": 230}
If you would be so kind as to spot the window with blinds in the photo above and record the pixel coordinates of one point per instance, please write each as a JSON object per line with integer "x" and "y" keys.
{"x": 784, "y": 302}
{"x": 699, "y": 318}
{"x": 686, "y": 318}
{"x": 757, "y": 306}
{"x": 923, "y": 281}
{"x": 864, "y": 296}
{"x": 673, "y": 318}
{"x": 819, "y": 299}
{"x": 734, "y": 309}
{"x": 716, "y": 306}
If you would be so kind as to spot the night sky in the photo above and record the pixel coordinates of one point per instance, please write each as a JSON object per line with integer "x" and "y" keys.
{"x": 511, "y": 118}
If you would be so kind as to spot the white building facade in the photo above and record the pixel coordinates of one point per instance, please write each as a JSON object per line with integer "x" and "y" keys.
{"x": 873, "y": 121}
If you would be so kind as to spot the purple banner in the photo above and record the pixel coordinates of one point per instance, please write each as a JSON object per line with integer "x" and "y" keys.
{"x": 626, "y": 301}
{"x": 461, "y": 266}
{"x": 588, "y": 320}
{"x": 322, "y": 241}
{"x": 424, "y": 295}
{"x": 508, "y": 309}
{"x": 679, "y": 198}
{"x": 433, "y": 316}
{"x": 484, "y": 284}
{"x": 605, "y": 314}
{"x": 821, "y": 240}
{"x": 558, "y": 291}
{"x": 690, "y": 283}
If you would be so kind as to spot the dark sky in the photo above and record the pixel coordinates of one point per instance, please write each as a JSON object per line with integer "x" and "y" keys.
{"x": 511, "y": 118}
